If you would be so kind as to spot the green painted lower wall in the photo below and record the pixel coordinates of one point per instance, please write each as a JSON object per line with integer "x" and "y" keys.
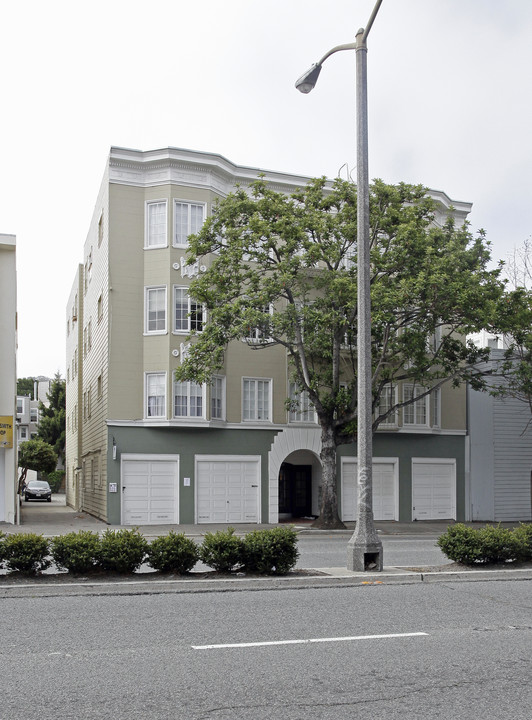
{"x": 407, "y": 446}
{"x": 188, "y": 442}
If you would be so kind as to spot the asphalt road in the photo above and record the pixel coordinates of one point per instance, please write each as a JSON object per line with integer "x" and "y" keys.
{"x": 158, "y": 657}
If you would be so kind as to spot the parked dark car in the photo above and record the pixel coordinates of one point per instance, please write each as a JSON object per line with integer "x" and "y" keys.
{"x": 38, "y": 490}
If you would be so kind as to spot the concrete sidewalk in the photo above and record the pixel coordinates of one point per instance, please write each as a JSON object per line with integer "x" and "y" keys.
{"x": 56, "y": 518}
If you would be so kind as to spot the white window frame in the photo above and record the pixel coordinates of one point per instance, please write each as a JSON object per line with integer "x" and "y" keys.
{"x": 189, "y": 386}
{"x": 34, "y": 414}
{"x": 148, "y": 231}
{"x": 20, "y": 406}
{"x": 219, "y": 379}
{"x": 147, "y": 378}
{"x": 23, "y": 433}
{"x": 190, "y": 302}
{"x": 435, "y": 408}
{"x": 191, "y": 228}
{"x": 391, "y": 392}
{"x": 256, "y": 334}
{"x": 306, "y": 412}
{"x": 147, "y": 292}
{"x": 416, "y": 407}
{"x": 258, "y": 385}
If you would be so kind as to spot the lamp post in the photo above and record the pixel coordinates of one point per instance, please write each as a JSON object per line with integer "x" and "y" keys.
{"x": 364, "y": 549}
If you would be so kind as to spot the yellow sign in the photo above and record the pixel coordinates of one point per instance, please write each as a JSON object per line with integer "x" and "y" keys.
{"x": 6, "y": 431}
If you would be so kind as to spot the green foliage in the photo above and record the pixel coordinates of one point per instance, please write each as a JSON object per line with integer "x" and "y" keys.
{"x": 523, "y": 533}
{"x": 52, "y": 423}
{"x": 26, "y": 553}
{"x": 55, "y": 479}
{"x": 173, "y": 553}
{"x": 270, "y": 552}
{"x": 25, "y": 387}
{"x": 76, "y": 552}
{"x": 490, "y": 544}
{"x": 2, "y": 536}
{"x": 222, "y": 550}
{"x": 122, "y": 551}
{"x": 37, "y": 455}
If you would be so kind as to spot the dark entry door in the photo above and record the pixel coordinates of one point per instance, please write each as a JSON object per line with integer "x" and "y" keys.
{"x": 295, "y": 490}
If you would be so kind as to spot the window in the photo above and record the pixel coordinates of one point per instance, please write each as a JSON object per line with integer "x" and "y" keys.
{"x": 304, "y": 412}
{"x": 89, "y": 402}
{"x": 188, "y": 399}
{"x": 435, "y": 398}
{"x": 387, "y": 400}
{"x": 261, "y": 332}
{"x": 20, "y": 405}
{"x": 100, "y": 308}
{"x": 156, "y": 224}
{"x": 217, "y": 398}
{"x": 100, "y": 386}
{"x": 188, "y": 314}
{"x": 34, "y": 414}
{"x": 156, "y": 395}
{"x": 256, "y": 399}
{"x": 188, "y": 219}
{"x": 155, "y": 310}
{"x": 416, "y": 412}
{"x": 23, "y": 433}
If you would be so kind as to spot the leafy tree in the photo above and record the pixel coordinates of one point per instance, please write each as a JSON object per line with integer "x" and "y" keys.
{"x": 25, "y": 387}
{"x": 52, "y": 423}
{"x": 430, "y": 286}
{"x": 35, "y": 455}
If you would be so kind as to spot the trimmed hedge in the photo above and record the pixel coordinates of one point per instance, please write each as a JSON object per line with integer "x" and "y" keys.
{"x": 26, "y": 553}
{"x": 272, "y": 552}
{"x": 173, "y": 553}
{"x": 76, "y": 552}
{"x": 122, "y": 551}
{"x": 222, "y": 550}
{"x": 490, "y": 544}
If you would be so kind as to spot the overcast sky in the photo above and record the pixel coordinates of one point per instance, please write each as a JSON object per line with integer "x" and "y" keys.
{"x": 450, "y": 106}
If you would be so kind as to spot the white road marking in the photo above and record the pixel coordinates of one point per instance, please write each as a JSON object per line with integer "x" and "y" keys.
{"x": 309, "y": 640}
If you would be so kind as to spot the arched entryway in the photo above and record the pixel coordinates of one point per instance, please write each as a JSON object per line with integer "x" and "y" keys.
{"x": 299, "y": 486}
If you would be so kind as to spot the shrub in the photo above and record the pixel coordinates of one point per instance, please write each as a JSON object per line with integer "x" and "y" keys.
{"x": 270, "y": 552}
{"x": 122, "y": 551}
{"x": 76, "y": 552}
{"x": 173, "y": 553}
{"x": 460, "y": 544}
{"x": 55, "y": 479}
{"x": 26, "y": 553}
{"x": 497, "y": 544}
{"x": 2, "y": 536}
{"x": 523, "y": 533}
{"x": 222, "y": 550}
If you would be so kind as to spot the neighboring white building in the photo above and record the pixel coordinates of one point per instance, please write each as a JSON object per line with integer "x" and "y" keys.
{"x": 500, "y": 454}
{"x": 8, "y": 379}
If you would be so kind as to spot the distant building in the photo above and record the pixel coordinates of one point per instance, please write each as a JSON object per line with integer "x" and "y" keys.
{"x": 144, "y": 449}
{"x": 8, "y": 379}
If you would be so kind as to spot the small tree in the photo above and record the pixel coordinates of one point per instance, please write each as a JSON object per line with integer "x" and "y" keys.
{"x": 35, "y": 455}
{"x": 25, "y": 387}
{"x": 52, "y": 423}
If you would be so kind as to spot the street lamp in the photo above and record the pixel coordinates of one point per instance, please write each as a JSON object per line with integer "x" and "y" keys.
{"x": 364, "y": 549}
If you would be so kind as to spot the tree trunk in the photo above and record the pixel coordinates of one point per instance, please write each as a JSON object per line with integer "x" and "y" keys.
{"x": 329, "y": 518}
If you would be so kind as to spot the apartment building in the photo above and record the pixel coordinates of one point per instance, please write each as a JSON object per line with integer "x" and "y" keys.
{"x": 144, "y": 449}
{"x": 8, "y": 379}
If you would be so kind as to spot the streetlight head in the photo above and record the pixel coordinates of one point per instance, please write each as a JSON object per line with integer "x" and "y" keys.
{"x": 307, "y": 81}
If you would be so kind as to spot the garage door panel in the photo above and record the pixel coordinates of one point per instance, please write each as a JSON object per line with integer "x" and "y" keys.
{"x": 384, "y": 490}
{"x": 227, "y": 491}
{"x": 434, "y": 490}
{"x": 151, "y": 492}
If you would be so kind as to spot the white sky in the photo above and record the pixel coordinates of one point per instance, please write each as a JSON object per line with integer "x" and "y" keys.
{"x": 450, "y": 106}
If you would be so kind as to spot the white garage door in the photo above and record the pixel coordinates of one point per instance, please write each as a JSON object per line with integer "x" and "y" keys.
{"x": 149, "y": 490}
{"x": 227, "y": 490}
{"x": 384, "y": 489}
{"x": 433, "y": 489}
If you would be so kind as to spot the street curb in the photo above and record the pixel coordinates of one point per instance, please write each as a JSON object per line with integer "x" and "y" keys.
{"x": 187, "y": 586}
